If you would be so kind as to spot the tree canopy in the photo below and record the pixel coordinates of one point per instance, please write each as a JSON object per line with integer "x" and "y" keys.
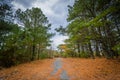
{"x": 28, "y": 40}
{"x": 94, "y": 27}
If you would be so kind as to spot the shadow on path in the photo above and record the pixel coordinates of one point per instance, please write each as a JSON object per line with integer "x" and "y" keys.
{"x": 57, "y": 66}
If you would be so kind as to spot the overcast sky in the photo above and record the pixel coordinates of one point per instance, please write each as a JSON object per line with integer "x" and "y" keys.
{"x": 55, "y": 10}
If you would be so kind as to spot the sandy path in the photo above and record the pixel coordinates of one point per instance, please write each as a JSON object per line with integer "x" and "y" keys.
{"x": 49, "y": 69}
{"x": 58, "y": 67}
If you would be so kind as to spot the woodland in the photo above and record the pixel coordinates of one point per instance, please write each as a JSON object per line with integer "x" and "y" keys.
{"x": 93, "y": 31}
{"x": 91, "y": 51}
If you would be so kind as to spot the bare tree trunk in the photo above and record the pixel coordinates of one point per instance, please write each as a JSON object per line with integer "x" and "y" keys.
{"x": 91, "y": 51}
{"x": 82, "y": 49}
{"x": 33, "y": 52}
{"x": 78, "y": 48}
{"x": 39, "y": 52}
{"x": 97, "y": 49}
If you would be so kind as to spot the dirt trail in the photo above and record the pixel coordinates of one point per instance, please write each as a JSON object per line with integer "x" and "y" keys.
{"x": 64, "y": 69}
{"x": 49, "y": 69}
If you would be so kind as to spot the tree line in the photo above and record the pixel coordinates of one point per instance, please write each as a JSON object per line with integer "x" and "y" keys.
{"x": 93, "y": 29}
{"x": 27, "y": 40}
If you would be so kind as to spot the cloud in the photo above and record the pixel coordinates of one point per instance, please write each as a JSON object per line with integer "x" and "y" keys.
{"x": 24, "y": 3}
{"x": 58, "y": 40}
{"x": 48, "y": 7}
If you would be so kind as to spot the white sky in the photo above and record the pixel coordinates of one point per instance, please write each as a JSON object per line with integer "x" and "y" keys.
{"x": 55, "y": 10}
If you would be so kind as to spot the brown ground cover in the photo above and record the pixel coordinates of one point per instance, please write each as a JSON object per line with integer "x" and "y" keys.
{"x": 92, "y": 69}
{"x": 36, "y": 70}
{"x": 76, "y": 68}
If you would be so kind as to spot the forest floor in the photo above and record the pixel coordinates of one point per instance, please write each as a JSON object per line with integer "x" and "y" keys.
{"x": 64, "y": 69}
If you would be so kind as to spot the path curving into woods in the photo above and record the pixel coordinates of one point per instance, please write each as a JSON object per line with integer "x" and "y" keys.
{"x": 64, "y": 69}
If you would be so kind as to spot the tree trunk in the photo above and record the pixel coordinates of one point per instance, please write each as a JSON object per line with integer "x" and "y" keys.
{"x": 82, "y": 49}
{"x": 33, "y": 52}
{"x": 97, "y": 49}
{"x": 78, "y": 46}
{"x": 90, "y": 50}
{"x": 38, "y": 52}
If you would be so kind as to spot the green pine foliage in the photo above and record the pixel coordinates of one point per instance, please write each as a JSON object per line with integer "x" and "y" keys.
{"x": 94, "y": 28}
{"x": 19, "y": 44}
